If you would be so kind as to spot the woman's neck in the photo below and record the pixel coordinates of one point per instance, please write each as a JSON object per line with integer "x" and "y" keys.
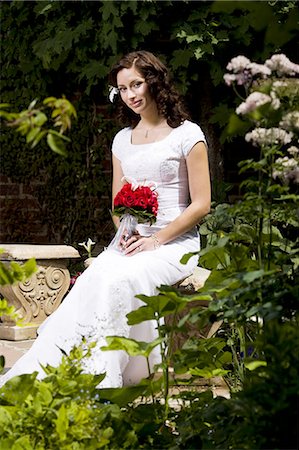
{"x": 152, "y": 122}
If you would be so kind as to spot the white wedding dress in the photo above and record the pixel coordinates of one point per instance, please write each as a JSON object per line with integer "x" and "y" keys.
{"x": 97, "y": 304}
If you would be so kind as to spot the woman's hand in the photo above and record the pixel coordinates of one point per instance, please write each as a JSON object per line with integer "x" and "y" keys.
{"x": 137, "y": 243}
{"x": 126, "y": 237}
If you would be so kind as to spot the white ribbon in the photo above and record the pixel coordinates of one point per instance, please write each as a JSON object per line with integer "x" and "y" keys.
{"x": 151, "y": 184}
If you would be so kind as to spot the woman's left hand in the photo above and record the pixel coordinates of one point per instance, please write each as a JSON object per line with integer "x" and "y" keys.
{"x": 137, "y": 244}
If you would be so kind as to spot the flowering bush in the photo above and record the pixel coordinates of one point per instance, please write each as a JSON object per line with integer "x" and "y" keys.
{"x": 271, "y": 103}
{"x": 139, "y": 201}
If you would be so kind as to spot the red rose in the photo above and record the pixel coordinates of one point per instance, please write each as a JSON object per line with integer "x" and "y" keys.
{"x": 129, "y": 200}
{"x": 142, "y": 198}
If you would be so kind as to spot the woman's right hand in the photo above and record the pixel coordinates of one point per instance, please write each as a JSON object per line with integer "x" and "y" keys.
{"x": 126, "y": 240}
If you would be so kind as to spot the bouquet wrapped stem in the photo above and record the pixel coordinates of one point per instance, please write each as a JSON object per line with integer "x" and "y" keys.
{"x": 127, "y": 227}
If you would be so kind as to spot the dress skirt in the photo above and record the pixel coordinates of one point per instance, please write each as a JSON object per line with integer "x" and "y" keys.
{"x": 96, "y": 307}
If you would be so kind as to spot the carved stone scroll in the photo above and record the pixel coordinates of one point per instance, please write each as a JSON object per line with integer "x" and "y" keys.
{"x": 37, "y": 298}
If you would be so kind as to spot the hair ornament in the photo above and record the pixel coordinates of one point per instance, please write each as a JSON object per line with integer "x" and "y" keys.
{"x": 113, "y": 91}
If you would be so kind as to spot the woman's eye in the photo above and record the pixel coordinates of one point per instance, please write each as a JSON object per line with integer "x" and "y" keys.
{"x": 136, "y": 85}
{"x": 122, "y": 89}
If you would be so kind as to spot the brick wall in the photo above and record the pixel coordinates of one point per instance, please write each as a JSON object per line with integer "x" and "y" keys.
{"x": 21, "y": 218}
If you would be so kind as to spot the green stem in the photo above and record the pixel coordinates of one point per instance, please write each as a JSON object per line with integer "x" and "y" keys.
{"x": 165, "y": 369}
{"x": 238, "y": 94}
{"x": 270, "y": 212}
{"x": 236, "y": 360}
{"x": 149, "y": 374}
{"x": 242, "y": 340}
{"x": 260, "y": 218}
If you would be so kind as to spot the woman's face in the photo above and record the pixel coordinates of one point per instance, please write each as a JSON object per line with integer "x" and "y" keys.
{"x": 134, "y": 91}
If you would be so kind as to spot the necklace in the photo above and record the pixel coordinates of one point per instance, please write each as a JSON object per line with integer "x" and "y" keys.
{"x": 148, "y": 130}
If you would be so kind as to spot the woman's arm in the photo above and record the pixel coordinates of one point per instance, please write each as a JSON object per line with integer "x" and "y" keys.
{"x": 116, "y": 183}
{"x": 200, "y": 195}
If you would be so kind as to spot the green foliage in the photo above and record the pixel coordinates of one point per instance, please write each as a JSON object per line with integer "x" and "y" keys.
{"x": 10, "y": 273}
{"x": 264, "y": 413}
{"x": 67, "y": 48}
{"x": 251, "y": 247}
{"x": 30, "y": 122}
{"x": 64, "y": 411}
{"x": 13, "y": 272}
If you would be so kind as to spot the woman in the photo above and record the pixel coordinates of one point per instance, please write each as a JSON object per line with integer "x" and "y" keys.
{"x": 160, "y": 145}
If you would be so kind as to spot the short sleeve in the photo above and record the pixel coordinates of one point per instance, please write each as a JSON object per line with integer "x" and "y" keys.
{"x": 118, "y": 143}
{"x": 192, "y": 134}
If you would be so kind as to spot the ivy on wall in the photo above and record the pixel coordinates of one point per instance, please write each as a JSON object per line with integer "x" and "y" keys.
{"x": 66, "y": 48}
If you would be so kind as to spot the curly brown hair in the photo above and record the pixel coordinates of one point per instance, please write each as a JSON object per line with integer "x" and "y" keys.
{"x": 155, "y": 73}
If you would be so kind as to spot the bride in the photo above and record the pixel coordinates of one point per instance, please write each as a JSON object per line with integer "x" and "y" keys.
{"x": 159, "y": 145}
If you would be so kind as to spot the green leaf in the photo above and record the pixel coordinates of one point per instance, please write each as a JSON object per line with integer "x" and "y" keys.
{"x": 32, "y": 134}
{"x": 22, "y": 443}
{"x": 5, "y": 417}
{"x": 252, "y": 365}
{"x": 141, "y": 314}
{"x": 40, "y": 119}
{"x": 158, "y": 306}
{"x": 208, "y": 372}
{"x": 131, "y": 346}
{"x": 38, "y": 137}
{"x": 56, "y": 144}
{"x": 187, "y": 256}
{"x": 62, "y": 422}
{"x": 44, "y": 394}
{"x": 236, "y": 126}
{"x": 16, "y": 390}
{"x": 2, "y": 360}
{"x": 249, "y": 277}
{"x": 181, "y": 58}
{"x": 126, "y": 395}
{"x": 29, "y": 267}
{"x": 60, "y": 136}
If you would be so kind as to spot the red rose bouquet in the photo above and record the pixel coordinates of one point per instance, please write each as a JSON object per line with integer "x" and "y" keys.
{"x": 134, "y": 203}
{"x": 140, "y": 202}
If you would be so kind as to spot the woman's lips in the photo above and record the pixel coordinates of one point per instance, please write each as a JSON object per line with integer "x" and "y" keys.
{"x": 136, "y": 104}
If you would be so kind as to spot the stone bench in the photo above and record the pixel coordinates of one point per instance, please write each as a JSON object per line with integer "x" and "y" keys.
{"x": 39, "y": 296}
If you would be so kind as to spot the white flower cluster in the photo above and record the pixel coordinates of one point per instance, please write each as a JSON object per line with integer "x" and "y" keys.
{"x": 268, "y": 136}
{"x": 286, "y": 169}
{"x": 253, "y": 101}
{"x": 267, "y": 89}
{"x": 243, "y": 70}
{"x": 290, "y": 121}
{"x": 282, "y": 65}
{"x": 238, "y": 64}
{"x": 259, "y": 69}
{"x": 293, "y": 150}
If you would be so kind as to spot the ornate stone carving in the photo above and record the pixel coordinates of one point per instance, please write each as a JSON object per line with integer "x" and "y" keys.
{"x": 38, "y": 297}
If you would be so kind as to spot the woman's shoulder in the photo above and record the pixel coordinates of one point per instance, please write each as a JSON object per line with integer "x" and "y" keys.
{"x": 121, "y": 141}
{"x": 189, "y": 128}
{"x": 189, "y": 125}
{"x": 121, "y": 134}
{"x": 190, "y": 133}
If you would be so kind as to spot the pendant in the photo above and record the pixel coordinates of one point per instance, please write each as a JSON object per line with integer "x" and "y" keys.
{"x": 146, "y": 133}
